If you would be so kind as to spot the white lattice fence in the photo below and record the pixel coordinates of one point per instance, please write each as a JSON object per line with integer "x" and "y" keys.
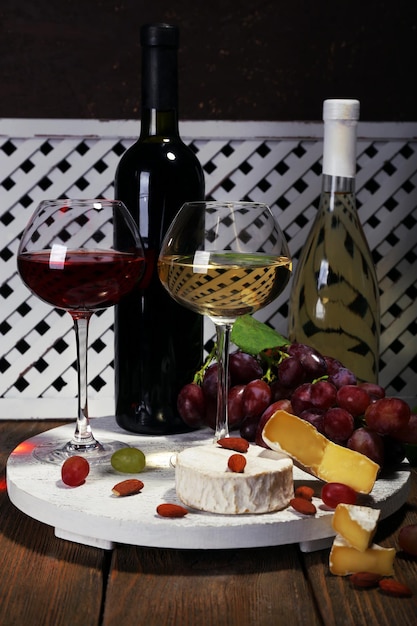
{"x": 277, "y": 163}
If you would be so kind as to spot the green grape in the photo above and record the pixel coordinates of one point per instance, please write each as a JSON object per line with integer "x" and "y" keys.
{"x": 128, "y": 460}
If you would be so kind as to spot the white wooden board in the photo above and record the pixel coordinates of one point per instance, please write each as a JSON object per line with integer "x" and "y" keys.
{"x": 91, "y": 515}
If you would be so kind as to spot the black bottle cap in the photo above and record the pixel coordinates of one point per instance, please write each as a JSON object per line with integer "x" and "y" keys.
{"x": 159, "y": 35}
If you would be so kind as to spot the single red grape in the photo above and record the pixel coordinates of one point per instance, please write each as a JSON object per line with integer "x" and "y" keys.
{"x": 375, "y": 391}
{"x": 243, "y": 368}
{"x": 323, "y": 395}
{"x": 279, "y": 392}
{"x": 256, "y": 398}
{"x": 333, "y": 365}
{"x": 279, "y": 405}
{"x": 290, "y": 372}
{"x": 342, "y": 377}
{"x": 235, "y": 405}
{"x": 297, "y": 349}
{"x": 314, "y": 417}
{"x": 191, "y": 405}
{"x": 312, "y": 361}
{"x": 369, "y": 443}
{"x": 407, "y": 539}
{"x": 209, "y": 384}
{"x": 75, "y": 470}
{"x": 249, "y": 427}
{"x": 387, "y": 415}
{"x": 301, "y": 398}
{"x": 338, "y": 424}
{"x": 333, "y": 494}
{"x": 408, "y": 433}
{"x": 354, "y": 399}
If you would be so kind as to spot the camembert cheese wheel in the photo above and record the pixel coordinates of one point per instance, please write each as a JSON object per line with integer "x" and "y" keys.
{"x": 203, "y": 480}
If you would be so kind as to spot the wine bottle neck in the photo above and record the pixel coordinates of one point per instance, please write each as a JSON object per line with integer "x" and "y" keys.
{"x": 338, "y": 184}
{"x": 339, "y": 148}
{"x": 159, "y": 77}
{"x": 159, "y": 114}
{"x": 159, "y": 123}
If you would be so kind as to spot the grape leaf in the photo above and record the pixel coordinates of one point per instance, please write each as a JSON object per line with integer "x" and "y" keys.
{"x": 252, "y": 336}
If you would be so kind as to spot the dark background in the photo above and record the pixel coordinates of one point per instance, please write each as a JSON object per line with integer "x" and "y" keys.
{"x": 239, "y": 60}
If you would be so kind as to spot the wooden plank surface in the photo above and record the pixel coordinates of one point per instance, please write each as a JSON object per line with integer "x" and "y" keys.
{"x": 45, "y": 581}
{"x": 50, "y": 582}
{"x": 251, "y": 587}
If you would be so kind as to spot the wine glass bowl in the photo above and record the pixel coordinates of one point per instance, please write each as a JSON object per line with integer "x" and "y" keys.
{"x": 224, "y": 260}
{"x": 70, "y": 258}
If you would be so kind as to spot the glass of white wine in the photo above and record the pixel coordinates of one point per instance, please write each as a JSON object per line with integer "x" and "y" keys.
{"x": 223, "y": 260}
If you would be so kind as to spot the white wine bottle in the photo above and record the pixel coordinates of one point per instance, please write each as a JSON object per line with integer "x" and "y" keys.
{"x": 334, "y": 303}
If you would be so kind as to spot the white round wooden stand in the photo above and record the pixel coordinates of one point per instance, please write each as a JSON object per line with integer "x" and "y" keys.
{"x": 92, "y": 515}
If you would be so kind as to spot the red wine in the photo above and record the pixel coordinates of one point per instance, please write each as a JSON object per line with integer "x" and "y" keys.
{"x": 158, "y": 343}
{"x": 80, "y": 280}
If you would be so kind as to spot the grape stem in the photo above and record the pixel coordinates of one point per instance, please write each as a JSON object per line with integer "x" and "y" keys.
{"x": 199, "y": 375}
{"x": 271, "y": 359}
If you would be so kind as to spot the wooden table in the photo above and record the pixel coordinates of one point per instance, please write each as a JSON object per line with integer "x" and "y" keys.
{"x": 46, "y": 581}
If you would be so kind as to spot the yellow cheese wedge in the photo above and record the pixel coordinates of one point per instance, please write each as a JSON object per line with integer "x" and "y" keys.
{"x": 311, "y": 450}
{"x": 356, "y": 524}
{"x": 345, "y": 560}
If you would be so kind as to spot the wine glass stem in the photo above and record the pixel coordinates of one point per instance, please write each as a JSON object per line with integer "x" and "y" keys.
{"x": 83, "y": 434}
{"x": 223, "y": 341}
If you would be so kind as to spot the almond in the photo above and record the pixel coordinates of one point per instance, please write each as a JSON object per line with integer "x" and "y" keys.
{"x": 128, "y": 487}
{"x": 304, "y": 492}
{"x": 365, "y": 580}
{"x": 301, "y": 505}
{"x": 238, "y": 444}
{"x": 168, "y": 509}
{"x": 236, "y": 463}
{"x": 395, "y": 588}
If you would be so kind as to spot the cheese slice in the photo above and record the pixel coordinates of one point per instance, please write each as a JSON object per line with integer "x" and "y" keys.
{"x": 345, "y": 560}
{"x": 318, "y": 455}
{"x": 356, "y": 524}
{"x": 203, "y": 480}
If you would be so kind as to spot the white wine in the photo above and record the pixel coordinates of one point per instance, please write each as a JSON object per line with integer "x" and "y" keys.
{"x": 224, "y": 285}
{"x": 334, "y": 304}
{"x": 336, "y": 301}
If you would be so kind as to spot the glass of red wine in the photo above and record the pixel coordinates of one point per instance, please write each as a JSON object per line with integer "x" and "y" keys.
{"x": 69, "y": 257}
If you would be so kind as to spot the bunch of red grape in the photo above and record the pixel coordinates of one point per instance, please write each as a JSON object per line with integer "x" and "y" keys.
{"x": 316, "y": 388}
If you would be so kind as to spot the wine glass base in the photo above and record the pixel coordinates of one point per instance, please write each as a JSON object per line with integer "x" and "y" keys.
{"x": 57, "y": 452}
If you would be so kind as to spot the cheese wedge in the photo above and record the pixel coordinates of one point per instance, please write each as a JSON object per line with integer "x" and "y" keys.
{"x": 203, "y": 480}
{"x": 318, "y": 455}
{"x": 356, "y": 524}
{"x": 345, "y": 560}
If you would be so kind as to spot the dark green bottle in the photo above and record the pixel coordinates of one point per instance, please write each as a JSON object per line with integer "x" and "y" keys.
{"x": 158, "y": 343}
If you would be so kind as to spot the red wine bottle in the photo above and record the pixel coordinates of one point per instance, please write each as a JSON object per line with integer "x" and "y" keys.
{"x": 158, "y": 343}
